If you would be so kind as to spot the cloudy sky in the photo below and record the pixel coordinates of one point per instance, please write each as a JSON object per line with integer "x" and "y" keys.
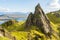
{"x": 28, "y": 5}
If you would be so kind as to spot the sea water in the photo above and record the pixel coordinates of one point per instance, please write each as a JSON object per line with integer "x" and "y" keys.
{"x": 18, "y": 19}
{"x": 2, "y": 22}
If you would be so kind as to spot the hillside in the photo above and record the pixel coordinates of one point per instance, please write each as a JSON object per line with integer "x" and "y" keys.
{"x": 54, "y": 16}
{"x": 37, "y": 26}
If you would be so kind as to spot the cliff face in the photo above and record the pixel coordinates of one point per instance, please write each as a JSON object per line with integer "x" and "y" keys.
{"x": 40, "y": 20}
{"x": 29, "y": 20}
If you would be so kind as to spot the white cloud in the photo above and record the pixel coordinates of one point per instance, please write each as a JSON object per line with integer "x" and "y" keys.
{"x": 4, "y": 9}
{"x": 55, "y": 4}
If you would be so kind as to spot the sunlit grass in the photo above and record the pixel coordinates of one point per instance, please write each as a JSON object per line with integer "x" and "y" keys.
{"x": 16, "y": 28}
{"x": 4, "y": 38}
{"x": 20, "y": 35}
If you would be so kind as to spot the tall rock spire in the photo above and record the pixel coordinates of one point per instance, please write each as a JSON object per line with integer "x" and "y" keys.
{"x": 40, "y": 20}
{"x": 38, "y": 6}
{"x": 29, "y": 20}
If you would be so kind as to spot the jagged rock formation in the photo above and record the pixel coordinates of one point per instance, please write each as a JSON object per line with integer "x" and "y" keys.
{"x": 40, "y": 20}
{"x": 29, "y": 20}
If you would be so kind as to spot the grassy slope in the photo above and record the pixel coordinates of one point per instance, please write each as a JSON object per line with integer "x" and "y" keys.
{"x": 55, "y": 21}
{"x": 20, "y": 35}
{"x": 4, "y": 38}
{"x": 53, "y": 18}
{"x": 23, "y": 35}
{"x": 14, "y": 27}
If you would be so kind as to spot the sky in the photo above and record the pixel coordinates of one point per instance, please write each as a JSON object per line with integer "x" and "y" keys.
{"x": 28, "y": 5}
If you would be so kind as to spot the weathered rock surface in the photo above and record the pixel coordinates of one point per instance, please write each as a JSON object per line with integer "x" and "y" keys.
{"x": 4, "y": 33}
{"x": 40, "y": 20}
{"x": 29, "y": 20}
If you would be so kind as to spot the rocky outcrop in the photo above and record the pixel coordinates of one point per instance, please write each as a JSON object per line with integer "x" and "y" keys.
{"x": 9, "y": 23}
{"x": 57, "y": 15}
{"x": 4, "y": 33}
{"x": 40, "y": 20}
{"x": 29, "y": 20}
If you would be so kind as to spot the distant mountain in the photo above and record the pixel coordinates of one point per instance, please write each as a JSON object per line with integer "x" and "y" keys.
{"x": 12, "y": 15}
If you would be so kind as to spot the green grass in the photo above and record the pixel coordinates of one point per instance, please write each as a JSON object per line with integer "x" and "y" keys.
{"x": 19, "y": 32}
{"x": 54, "y": 26}
{"x": 55, "y": 21}
{"x": 20, "y": 35}
{"x": 14, "y": 27}
{"x": 4, "y": 38}
{"x": 23, "y": 35}
{"x": 53, "y": 18}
